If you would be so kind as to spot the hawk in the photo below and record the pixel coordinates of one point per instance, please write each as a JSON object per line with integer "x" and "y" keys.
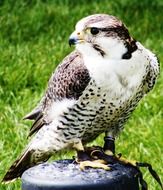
{"x": 93, "y": 90}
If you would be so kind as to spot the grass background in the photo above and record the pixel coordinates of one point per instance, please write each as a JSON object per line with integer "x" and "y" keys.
{"x": 33, "y": 40}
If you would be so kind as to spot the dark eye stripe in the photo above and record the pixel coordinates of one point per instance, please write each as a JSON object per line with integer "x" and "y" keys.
{"x": 95, "y": 30}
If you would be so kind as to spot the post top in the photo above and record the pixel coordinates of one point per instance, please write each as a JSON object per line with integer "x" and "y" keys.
{"x": 66, "y": 174}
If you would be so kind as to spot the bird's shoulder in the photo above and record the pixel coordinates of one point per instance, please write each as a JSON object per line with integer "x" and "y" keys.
{"x": 68, "y": 81}
{"x": 152, "y": 68}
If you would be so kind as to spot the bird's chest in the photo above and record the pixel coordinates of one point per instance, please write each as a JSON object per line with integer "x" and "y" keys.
{"x": 117, "y": 79}
{"x": 100, "y": 109}
{"x": 111, "y": 94}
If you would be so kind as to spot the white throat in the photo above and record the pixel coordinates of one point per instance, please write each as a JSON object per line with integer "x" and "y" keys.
{"x": 118, "y": 76}
{"x": 112, "y": 48}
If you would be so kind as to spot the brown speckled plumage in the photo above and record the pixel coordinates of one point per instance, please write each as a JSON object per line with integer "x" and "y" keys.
{"x": 68, "y": 81}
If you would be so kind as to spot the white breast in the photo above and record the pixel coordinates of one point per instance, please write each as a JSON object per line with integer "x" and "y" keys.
{"x": 120, "y": 78}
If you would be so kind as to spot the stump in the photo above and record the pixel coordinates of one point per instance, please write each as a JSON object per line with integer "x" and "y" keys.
{"x": 66, "y": 175}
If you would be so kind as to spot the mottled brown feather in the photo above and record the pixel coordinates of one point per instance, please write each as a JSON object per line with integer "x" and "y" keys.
{"x": 68, "y": 81}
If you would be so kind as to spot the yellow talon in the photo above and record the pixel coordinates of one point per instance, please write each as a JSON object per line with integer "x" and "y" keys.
{"x": 94, "y": 164}
{"x": 109, "y": 153}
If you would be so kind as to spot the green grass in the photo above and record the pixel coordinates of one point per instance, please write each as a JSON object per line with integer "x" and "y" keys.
{"x": 33, "y": 40}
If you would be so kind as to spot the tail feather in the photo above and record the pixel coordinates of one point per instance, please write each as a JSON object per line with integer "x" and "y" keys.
{"x": 18, "y": 167}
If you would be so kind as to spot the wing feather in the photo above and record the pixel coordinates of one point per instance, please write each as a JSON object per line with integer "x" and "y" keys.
{"x": 68, "y": 81}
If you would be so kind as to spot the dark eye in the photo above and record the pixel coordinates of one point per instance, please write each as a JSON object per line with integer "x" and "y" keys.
{"x": 94, "y": 30}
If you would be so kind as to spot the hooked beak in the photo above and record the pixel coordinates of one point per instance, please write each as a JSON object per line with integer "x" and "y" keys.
{"x": 75, "y": 38}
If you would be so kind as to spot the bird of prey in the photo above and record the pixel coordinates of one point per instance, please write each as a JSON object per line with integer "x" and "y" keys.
{"x": 93, "y": 90}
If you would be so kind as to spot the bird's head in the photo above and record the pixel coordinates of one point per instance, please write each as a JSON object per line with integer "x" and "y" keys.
{"x": 103, "y": 35}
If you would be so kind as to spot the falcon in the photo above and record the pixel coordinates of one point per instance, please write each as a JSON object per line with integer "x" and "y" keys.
{"x": 93, "y": 90}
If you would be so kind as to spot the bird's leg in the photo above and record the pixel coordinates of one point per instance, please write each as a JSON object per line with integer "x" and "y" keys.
{"x": 109, "y": 149}
{"x": 109, "y": 145}
{"x": 85, "y": 160}
{"x": 81, "y": 154}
